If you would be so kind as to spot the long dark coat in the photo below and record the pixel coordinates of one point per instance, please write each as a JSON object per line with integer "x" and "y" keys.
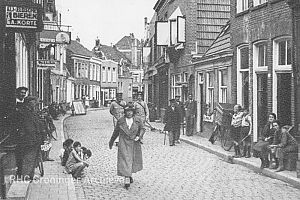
{"x": 172, "y": 119}
{"x": 130, "y": 158}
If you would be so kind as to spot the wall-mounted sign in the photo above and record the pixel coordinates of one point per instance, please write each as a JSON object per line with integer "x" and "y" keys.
{"x": 46, "y": 63}
{"x": 63, "y": 38}
{"x": 21, "y": 16}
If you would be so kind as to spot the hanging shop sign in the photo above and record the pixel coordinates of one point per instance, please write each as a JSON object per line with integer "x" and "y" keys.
{"x": 21, "y": 17}
{"x": 46, "y": 63}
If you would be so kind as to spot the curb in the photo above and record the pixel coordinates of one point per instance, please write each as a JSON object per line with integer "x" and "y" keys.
{"x": 228, "y": 158}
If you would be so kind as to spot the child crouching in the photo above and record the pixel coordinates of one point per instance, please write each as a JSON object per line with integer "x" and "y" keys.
{"x": 75, "y": 163}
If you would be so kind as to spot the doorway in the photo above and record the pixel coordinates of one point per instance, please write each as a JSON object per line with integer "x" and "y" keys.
{"x": 262, "y": 101}
{"x": 284, "y": 94}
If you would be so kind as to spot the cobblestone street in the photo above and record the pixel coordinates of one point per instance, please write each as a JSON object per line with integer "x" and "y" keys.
{"x": 180, "y": 172}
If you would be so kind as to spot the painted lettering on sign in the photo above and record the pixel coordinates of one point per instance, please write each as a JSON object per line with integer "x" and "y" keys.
{"x": 21, "y": 17}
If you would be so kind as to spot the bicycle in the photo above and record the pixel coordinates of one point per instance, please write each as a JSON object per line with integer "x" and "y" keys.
{"x": 223, "y": 134}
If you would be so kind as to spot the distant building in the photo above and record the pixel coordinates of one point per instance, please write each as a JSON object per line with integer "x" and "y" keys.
{"x": 131, "y": 47}
{"x": 85, "y": 68}
{"x": 114, "y": 73}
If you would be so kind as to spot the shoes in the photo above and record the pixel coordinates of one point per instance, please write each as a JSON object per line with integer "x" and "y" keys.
{"x": 279, "y": 169}
{"x": 172, "y": 144}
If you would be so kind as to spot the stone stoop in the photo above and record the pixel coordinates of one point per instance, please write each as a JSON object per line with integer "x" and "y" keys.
{"x": 19, "y": 190}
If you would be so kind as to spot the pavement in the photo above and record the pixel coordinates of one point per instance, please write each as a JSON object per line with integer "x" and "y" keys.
{"x": 180, "y": 172}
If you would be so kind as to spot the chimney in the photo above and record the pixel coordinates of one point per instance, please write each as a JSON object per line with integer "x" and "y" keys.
{"x": 97, "y": 42}
{"x": 146, "y": 21}
{"x": 131, "y": 35}
{"x": 78, "y": 39}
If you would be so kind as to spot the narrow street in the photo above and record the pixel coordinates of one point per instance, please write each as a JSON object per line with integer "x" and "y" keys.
{"x": 180, "y": 172}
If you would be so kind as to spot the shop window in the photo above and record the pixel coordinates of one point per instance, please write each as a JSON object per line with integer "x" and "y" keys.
{"x": 242, "y": 5}
{"x": 223, "y": 80}
{"x": 114, "y": 75}
{"x": 109, "y": 75}
{"x": 285, "y": 52}
{"x": 176, "y": 89}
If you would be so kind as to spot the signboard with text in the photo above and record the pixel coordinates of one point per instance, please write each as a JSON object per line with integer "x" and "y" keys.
{"x": 19, "y": 17}
{"x": 46, "y": 63}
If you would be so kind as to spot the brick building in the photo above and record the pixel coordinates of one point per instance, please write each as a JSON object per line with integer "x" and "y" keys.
{"x": 262, "y": 42}
{"x": 193, "y": 26}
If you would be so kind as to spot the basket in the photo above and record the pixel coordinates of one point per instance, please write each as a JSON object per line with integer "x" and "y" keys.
{"x": 224, "y": 112}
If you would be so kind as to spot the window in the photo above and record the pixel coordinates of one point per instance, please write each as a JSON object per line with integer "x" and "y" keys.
{"x": 210, "y": 89}
{"x": 285, "y": 52}
{"x": 109, "y": 75}
{"x": 114, "y": 75}
{"x": 242, "y": 5}
{"x": 94, "y": 73}
{"x": 91, "y": 72}
{"x": 103, "y": 74}
{"x": 176, "y": 89}
{"x": 243, "y": 76}
{"x": 262, "y": 55}
{"x": 223, "y": 80}
{"x": 259, "y": 2}
{"x": 98, "y": 73}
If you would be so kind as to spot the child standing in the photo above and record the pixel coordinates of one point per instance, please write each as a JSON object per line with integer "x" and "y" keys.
{"x": 75, "y": 164}
{"x": 246, "y": 132}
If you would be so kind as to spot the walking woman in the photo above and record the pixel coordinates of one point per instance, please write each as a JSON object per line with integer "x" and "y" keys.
{"x": 236, "y": 125}
{"x": 130, "y": 130}
{"x": 260, "y": 149}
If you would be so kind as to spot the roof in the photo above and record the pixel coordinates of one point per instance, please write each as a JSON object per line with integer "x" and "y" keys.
{"x": 221, "y": 44}
{"x": 111, "y": 53}
{"x": 79, "y": 49}
{"x": 126, "y": 43}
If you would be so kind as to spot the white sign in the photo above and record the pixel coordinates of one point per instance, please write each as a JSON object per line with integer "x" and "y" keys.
{"x": 21, "y": 17}
{"x": 162, "y": 33}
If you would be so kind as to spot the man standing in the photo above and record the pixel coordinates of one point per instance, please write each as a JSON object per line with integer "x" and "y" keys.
{"x": 21, "y": 93}
{"x": 190, "y": 108}
{"x": 172, "y": 120}
{"x": 180, "y": 105}
{"x": 117, "y": 108}
{"x": 141, "y": 108}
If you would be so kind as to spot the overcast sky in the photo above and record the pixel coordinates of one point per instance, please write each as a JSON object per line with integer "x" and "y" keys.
{"x": 110, "y": 20}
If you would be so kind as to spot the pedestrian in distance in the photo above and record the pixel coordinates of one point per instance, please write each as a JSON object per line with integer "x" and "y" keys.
{"x": 130, "y": 131}
{"x": 172, "y": 121}
{"x": 142, "y": 110}
{"x": 117, "y": 108}
{"x": 236, "y": 125}
{"x": 21, "y": 93}
{"x": 180, "y": 105}
{"x": 246, "y": 131}
{"x": 260, "y": 149}
{"x": 75, "y": 164}
{"x": 190, "y": 114}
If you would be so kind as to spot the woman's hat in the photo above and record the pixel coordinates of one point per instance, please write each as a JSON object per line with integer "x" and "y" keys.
{"x": 129, "y": 107}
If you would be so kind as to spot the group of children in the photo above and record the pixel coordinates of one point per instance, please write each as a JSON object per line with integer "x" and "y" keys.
{"x": 74, "y": 157}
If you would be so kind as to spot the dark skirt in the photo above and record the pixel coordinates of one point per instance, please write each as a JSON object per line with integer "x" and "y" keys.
{"x": 260, "y": 149}
{"x": 236, "y": 133}
{"x": 244, "y": 132}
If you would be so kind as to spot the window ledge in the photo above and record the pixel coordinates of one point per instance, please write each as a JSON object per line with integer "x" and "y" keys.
{"x": 259, "y": 6}
{"x": 242, "y": 13}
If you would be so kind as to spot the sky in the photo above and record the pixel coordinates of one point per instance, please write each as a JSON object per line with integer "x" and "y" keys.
{"x": 110, "y": 20}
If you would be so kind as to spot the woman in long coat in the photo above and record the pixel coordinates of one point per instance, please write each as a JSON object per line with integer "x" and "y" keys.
{"x": 130, "y": 130}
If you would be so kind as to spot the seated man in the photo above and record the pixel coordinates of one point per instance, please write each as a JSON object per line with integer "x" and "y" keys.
{"x": 284, "y": 143}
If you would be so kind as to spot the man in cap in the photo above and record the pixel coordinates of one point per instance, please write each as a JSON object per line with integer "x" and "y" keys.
{"x": 172, "y": 121}
{"x": 180, "y": 105}
{"x": 141, "y": 108}
{"x": 190, "y": 108}
{"x": 117, "y": 108}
